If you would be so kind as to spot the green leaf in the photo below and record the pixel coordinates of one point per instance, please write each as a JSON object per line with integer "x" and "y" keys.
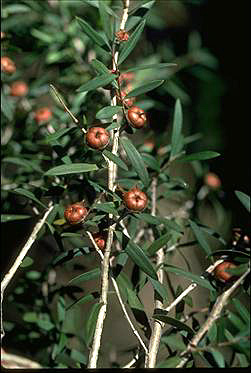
{"x": 28, "y": 194}
{"x": 29, "y": 165}
{"x": 115, "y": 159}
{"x": 171, "y": 362}
{"x": 145, "y": 88}
{"x": 96, "y": 37}
{"x": 155, "y": 220}
{"x": 160, "y": 289}
{"x": 56, "y": 135}
{"x": 241, "y": 309}
{"x": 99, "y": 67}
{"x": 133, "y": 300}
{"x": 91, "y": 275}
{"x": 151, "y": 162}
{"x": 139, "y": 257}
{"x": 78, "y": 356}
{"x": 218, "y": 357}
{"x": 74, "y": 168}
{"x": 177, "y": 126}
{"x": 11, "y": 217}
{"x": 199, "y": 280}
{"x": 244, "y": 198}
{"x": 99, "y": 81}
{"x": 200, "y": 236}
{"x": 158, "y": 244}
{"x": 136, "y": 160}
{"x": 156, "y": 66}
{"x": 84, "y": 299}
{"x": 46, "y": 38}
{"x": 162, "y": 316}
{"x": 106, "y": 20}
{"x": 7, "y": 107}
{"x": 45, "y": 325}
{"x": 33, "y": 275}
{"x": 198, "y": 156}
{"x": 130, "y": 44}
{"x": 26, "y": 262}
{"x": 30, "y": 317}
{"x": 61, "y": 309}
{"x": 91, "y": 322}
{"x": 108, "y": 112}
{"x": 108, "y": 207}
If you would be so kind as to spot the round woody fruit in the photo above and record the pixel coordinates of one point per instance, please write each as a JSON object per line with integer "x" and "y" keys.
{"x": 97, "y": 137}
{"x": 18, "y": 89}
{"x": 220, "y": 271}
{"x": 75, "y": 213}
{"x": 122, "y": 35}
{"x": 100, "y": 239}
{"x": 7, "y": 65}
{"x": 43, "y": 115}
{"x": 212, "y": 180}
{"x": 136, "y": 117}
{"x": 135, "y": 199}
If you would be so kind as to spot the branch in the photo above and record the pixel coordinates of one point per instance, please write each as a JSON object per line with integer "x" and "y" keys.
{"x": 21, "y": 256}
{"x": 158, "y": 325}
{"x": 11, "y": 361}
{"x": 112, "y": 171}
{"x": 213, "y": 316}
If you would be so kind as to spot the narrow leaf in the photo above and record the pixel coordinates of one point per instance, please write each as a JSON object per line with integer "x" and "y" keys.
{"x": 100, "y": 67}
{"x": 108, "y": 207}
{"x": 158, "y": 244}
{"x": 56, "y": 135}
{"x": 156, "y": 66}
{"x": 177, "y": 126}
{"x": 99, "y": 81}
{"x": 91, "y": 275}
{"x": 160, "y": 289}
{"x": 151, "y": 162}
{"x": 29, "y": 165}
{"x": 105, "y": 19}
{"x": 200, "y": 236}
{"x": 115, "y": 159}
{"x": 145, "y": 88}
{"x": 162, "y": 316}
{"x": 136, "y": 160}
{"x": 133, "y": 300}
{"x": 130, "y": 44}
{"x": 11, "y": 217}
{"x": 199, "y": 280}
{"x": 84, "y": 299}
{"x": 28, "y": 194}
{"x": 108, "y": 112}
{"x": 96, "y": 37}
{"x": 75, "y": 168}
{"x": 91, "y": 322}
{"x": 244, "y": 198}
{"x": 198, "y": 156}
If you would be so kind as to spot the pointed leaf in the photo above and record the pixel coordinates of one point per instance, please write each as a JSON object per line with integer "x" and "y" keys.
{"x": 133, "y": 300}
{"x": 84, "y": 299}
{"x": 131, "y": 43}
{"x": 200, "y": 236}
{"x": 99, "y": 81}
{"x": 28, "y": 194}
{"x": 198, "y": 156}
{"x": 96, "y": 37}
{"x": 100, "y": 67}
{"x": 108, "y": 207}
{"x": 158, "y": 244}
{"x": 195, "y": 278}
{"x": 177, "y": 126}
{"x": 29, "y": 165}
{"x": 139, "y": 257}
{"x": 91, "y": 275}
{"x": 105, "y": 19}
{"x": 74, "y": 168}
{"x": 151, "y": 162}
{"x": 11, "y": 217}
{"x": 136, "y": 160}
{"x": 145, "y": 88}
{"x": 160, "y": 289}
{"x": 156, "y": 66}
{"x": 115, "y": 159}
{"x": 162, "y": 316}
{"x": 244, "y": 198}
{"x": 57, "y": 135}
{"x": 108, "y": 112}
{"x": 91, "y": 322}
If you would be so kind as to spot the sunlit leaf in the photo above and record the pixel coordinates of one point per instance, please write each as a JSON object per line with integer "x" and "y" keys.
{"x": 28, "y": 194}
{"x": 95, "y": 36}
{"x": 108, "y": 112}
{"x": 99, "y": 81}
{"x": 156, "y": 66}
{"x": 87, "y": 276}
{"x": 177, "y": 126}
{"x": 144, "y": 88}
{"x": 11, "y": 217}
{"x": 74, "y": 168}
{"x": 198, "y": 156}
{"x": 118, "y": 161}
{"x": 200, "y": 236}
{"x": 131, "y": 43}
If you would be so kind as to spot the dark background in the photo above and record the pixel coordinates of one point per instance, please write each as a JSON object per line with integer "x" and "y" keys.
{"x": 225, "y": 28}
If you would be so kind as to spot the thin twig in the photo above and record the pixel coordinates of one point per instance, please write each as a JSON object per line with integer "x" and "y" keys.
{"x": 158, "y": 325}
{"x": 112, "y": 171}
{"x": 214, "y": 315}
{"x": 12, "y": 361}
{"x": 9, "y": 275}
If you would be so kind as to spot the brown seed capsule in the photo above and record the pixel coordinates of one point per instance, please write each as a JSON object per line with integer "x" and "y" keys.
{"x": 212, "y": 180}
{"x": 100, "y": 239}
{"x": 18, "y": 89}
{"x": 220, "y": 271}
{"x": 136, "y": 117}
{"x": 75, "y": 213}
{"x": 7, "y": 65}
{"x": 43, "y": 115}
{"x": 97, "y": 137}
{"x": 135, "y": 199}
{"x": 127, "y": 101}
{"x": 122, "y": 35}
